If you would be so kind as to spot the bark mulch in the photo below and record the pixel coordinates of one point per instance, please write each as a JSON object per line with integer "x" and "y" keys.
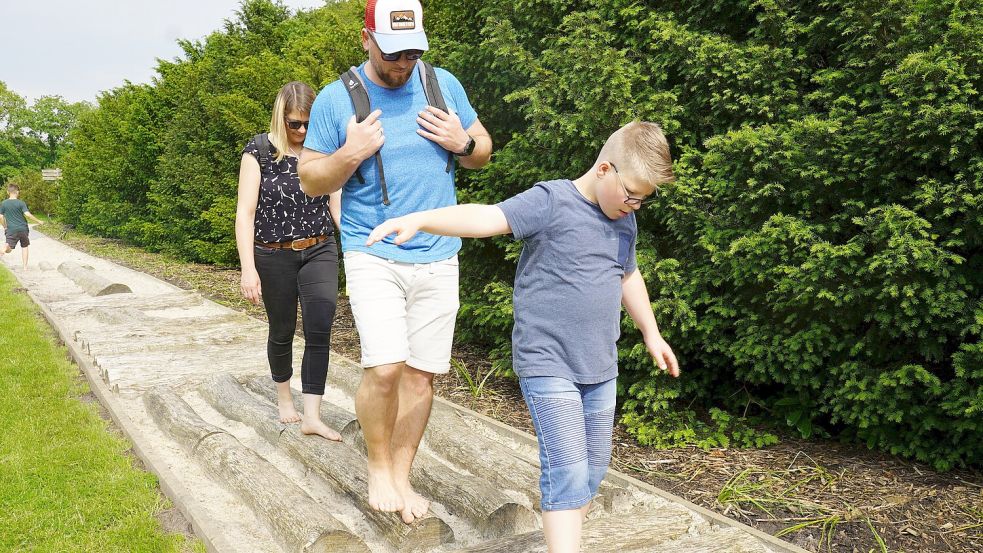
{"x": 821, "y": 495}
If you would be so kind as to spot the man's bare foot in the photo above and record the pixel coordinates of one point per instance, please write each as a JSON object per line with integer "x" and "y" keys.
{"x": 414, "y": 505}
{"x": 316, "y": 426}
{"x": 382, "y": 491}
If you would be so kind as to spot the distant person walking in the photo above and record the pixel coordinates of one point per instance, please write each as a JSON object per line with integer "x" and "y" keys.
{"x": 287, "y": 251}
{"x": 13, "y": 218}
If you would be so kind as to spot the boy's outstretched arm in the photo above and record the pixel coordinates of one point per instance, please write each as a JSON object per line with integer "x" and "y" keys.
{"x": 635, "y": 298}
{"x": 466, "y": 221}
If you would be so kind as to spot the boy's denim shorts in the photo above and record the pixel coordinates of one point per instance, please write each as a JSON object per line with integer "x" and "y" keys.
{"x": 574, "y": 423}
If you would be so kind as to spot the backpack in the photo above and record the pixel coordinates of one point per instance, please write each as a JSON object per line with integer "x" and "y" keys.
{"x": 263, "y": 145}
{"x": 363, "y": 107}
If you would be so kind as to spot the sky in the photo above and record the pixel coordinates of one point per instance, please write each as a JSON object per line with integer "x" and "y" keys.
{"x": 77, "y": 48}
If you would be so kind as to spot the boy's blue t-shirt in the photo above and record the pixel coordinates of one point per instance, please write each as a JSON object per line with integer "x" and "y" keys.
{"x": 13, "y": 212}
{"x": 415, "y": 167}
{"x": 567, "y": 297}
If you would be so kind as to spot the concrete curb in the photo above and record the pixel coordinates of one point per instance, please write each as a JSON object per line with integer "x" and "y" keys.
{"x": 205, "y": 530}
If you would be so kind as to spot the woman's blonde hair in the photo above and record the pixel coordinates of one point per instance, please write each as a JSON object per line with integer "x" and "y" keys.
{"x": 294, "y": 96}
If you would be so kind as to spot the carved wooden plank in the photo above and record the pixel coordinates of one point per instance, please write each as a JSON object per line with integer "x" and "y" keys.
{"x": 469, "y": 497}
{"x": 338, "y": 463}
{"x": 294, "y": 517}
{"x": 142, "y": 302}
{"x": 718, "y": 540}
{"x": 90, "y": 281}
{"x": 641, "y": 531}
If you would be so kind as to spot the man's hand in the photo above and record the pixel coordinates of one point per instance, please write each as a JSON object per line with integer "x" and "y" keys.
{"x": 443, "y": 128}
{"x": 250, "y": 286}
{"x": 403, "y": 227}
{"x": 366, "y": 138}
{"x": 662, "y": 354}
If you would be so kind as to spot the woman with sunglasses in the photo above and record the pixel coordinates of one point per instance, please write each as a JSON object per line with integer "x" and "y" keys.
{"x": 287, "y": 252}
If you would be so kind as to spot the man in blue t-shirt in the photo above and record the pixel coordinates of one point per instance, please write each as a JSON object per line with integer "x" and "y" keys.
{"x": 13, "y": 219}
{"x": 404, "y": 298}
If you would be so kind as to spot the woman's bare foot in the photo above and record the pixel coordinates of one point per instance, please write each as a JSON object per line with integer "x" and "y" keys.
{"x": 311, "y": 422}
{"x": 382, "y": 490}
{"x": 288, "y": 414}
{"x": 285, "y": 403}
{"x": 310, "y": 425}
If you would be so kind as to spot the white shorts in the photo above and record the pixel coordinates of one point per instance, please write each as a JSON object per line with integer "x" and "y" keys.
{"x": 404, "y": 312}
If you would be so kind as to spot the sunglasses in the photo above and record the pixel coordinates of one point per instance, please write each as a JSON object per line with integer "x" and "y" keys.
{"x": 296, "y": 125}
{"x": 411, "y": 55}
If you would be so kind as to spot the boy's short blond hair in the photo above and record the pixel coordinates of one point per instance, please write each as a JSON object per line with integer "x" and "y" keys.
{"x": 13, "y": 188}
{"x": 640, "y": 148}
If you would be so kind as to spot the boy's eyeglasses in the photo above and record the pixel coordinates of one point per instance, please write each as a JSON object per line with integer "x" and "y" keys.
{"x": 630, "y": 200}
{"x": 296, "y": 125}
{"x": 411, "y": 55}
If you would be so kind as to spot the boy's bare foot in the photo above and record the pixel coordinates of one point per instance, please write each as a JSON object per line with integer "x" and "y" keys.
{"x": 382, "y": 490}
{"x": 415, "y": 505}
{"x": 318, "y": 427}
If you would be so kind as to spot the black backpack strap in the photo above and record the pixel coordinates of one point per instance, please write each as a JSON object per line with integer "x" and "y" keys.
{"x": 360, "y": 101}
{"x": 435, "y": 98}
{"x": 262, "y": 141}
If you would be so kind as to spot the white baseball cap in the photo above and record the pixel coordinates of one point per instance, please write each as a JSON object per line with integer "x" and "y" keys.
{"x": 396, "y": 25}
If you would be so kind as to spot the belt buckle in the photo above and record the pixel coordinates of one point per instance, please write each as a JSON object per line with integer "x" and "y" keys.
{"x": 294, "y": 247}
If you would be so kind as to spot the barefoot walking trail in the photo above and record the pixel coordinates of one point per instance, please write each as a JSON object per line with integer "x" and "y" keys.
{"x": 186, "y": 380}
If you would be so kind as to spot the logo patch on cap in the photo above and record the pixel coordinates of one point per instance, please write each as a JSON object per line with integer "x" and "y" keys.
{"x": 402, "y": 20}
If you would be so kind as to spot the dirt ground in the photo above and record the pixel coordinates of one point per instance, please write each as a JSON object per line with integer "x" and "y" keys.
{"x": 821, "y": 495}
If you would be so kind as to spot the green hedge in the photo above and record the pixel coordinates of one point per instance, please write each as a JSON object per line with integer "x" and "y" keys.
{"x": 816, "y": 266}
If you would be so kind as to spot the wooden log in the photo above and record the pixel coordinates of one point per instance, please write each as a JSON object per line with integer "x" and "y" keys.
{"x": 472, "y": 498}
{"x": 639, "y": 532}
{"x": 88, "y": 280}
{"x": 452, "y": 438}
{"x": 293, "y": 516}
{"x": 338, "y": 463}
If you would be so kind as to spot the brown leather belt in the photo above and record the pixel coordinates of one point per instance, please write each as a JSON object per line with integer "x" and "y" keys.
{"x": 295, "y": 245}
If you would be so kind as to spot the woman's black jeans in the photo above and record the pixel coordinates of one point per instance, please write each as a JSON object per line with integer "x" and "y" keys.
{"x": 312, "y": 276}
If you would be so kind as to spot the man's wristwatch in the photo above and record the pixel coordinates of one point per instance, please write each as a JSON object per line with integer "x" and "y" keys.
{"x": 468, "y": 149}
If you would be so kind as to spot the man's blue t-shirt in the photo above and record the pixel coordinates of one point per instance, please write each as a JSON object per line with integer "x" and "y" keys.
{"x": 415, "y": 167}
{"x": 567, "y": 297}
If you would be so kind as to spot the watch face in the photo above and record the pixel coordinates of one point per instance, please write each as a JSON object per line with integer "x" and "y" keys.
{"x": 469, "y": 149}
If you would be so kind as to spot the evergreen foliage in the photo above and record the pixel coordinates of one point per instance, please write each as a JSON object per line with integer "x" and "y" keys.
{"x": 816, "y": 265}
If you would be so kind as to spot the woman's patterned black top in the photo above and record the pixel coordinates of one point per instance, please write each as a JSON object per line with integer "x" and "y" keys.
{"x": 284, "y": 212}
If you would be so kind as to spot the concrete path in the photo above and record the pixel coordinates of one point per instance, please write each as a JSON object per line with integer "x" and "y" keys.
{"x": 202, "y": 368}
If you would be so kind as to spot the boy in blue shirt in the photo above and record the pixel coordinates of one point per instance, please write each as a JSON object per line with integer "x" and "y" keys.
{"x": 576, "y": 269}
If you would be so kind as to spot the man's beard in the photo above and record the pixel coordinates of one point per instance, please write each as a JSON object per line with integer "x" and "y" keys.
{"x": 393, "y": 80}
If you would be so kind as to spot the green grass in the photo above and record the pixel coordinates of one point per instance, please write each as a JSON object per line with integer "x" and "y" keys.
{"x": 66, "y": 481}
